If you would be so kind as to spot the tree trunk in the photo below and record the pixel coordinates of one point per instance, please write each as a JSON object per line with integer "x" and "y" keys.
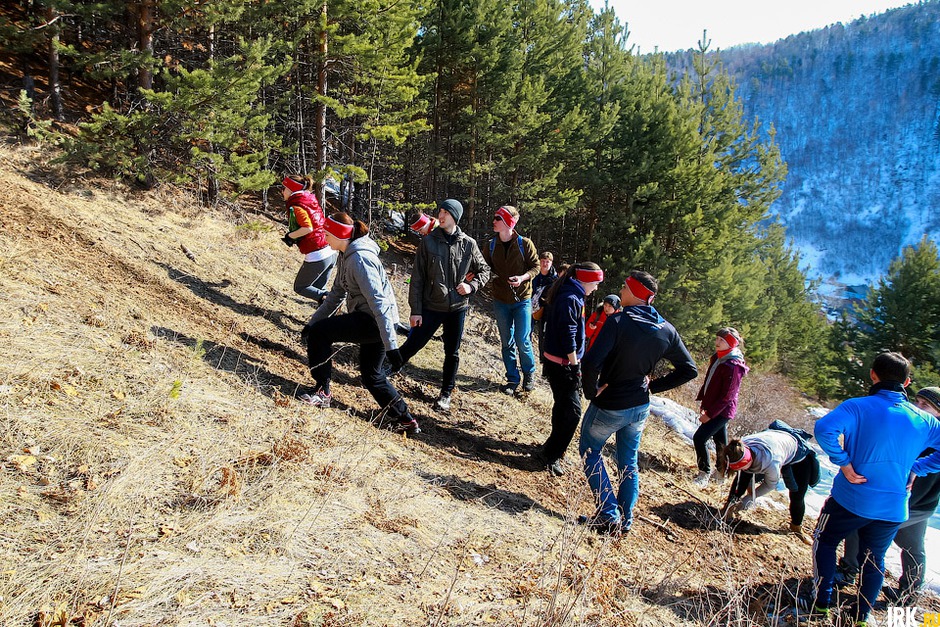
{"x": 55, "y": 87}
{"x": 321, "y": 106}
{"x": 145, "y": 42}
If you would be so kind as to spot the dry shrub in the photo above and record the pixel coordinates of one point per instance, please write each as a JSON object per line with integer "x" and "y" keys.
{"x": 291, "y": 449}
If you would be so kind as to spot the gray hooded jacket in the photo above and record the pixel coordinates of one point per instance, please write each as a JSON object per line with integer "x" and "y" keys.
{"x": 361, "y": 282}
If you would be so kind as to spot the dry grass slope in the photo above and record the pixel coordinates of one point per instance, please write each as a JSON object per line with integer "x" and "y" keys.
{"x": 157, "y": 471}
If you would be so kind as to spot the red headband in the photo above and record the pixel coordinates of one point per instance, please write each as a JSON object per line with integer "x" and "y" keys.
{"x": 743, "y": 462}
{"x": 292, "y": 185}
{"x": 507, "y": 217}
{"x": 639, "y": 290}
{"x": 588, "y": 276}
{"x": 338, "y": 229}
{"x": 730, "y": 339}
{"x": 424, "y": 224}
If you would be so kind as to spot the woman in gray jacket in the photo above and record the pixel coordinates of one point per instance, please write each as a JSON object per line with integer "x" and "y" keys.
{"x": 370, "y": 321}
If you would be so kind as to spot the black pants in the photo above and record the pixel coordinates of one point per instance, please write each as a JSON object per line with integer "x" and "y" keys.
{"x": 714, "y": 429}
{"x": 566, "y": 410}
{"x": 802, "y": 471}
{"x": 418, "y": 338}
{"x": 358, "y": 328}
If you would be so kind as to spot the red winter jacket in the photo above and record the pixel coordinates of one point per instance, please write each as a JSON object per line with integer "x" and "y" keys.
{"x": 594, "y": 325}
{"x": 304, "y": 210}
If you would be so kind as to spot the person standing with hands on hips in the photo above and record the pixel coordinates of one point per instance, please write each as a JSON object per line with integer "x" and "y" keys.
{"x": 305, "y": 230}
{"x": 875, "y": 441}
{"x": 514, "y": 262}
{"x": 448, "y": 269}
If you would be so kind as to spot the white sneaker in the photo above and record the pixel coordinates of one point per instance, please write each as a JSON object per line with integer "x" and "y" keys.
{"x": 701, "y": 480}
{"x": 718, "y": 478}
{"x": 443, "y": 402}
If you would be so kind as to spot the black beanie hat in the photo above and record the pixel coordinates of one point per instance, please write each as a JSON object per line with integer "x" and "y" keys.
{"x": 613, "y": 299}
{"x": 453, "y": 207}
{"x": 931, "y": 395}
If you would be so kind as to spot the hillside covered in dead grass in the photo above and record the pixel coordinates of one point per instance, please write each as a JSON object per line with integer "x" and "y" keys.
{"x": 156, "y": 469}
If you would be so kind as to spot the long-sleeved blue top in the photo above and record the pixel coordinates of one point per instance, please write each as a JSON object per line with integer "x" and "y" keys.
{"x": 882, "y": 436}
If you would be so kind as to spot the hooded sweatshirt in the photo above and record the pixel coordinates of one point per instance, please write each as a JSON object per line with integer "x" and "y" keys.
{"x": 362, "y": 283}
{"x": 625, "y": 352}
{"x": 564, "y": 322}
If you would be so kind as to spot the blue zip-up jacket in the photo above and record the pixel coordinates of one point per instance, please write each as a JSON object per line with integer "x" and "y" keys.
{"x": 564, "y": 322}
{"x": 883, "y": 435}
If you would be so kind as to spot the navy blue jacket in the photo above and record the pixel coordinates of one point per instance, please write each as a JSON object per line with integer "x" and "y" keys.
{"x": 564, "y": 321}
{"x": 625, "y": 352}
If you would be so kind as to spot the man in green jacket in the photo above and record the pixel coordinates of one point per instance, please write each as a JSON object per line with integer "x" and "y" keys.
{"x": 448, "y": 269}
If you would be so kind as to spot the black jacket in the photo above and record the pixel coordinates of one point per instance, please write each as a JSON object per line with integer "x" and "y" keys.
{"x": 625, "y": 352}
{"x": 442, "y": 263}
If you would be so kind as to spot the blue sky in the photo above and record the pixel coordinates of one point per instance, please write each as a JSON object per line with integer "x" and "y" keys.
{"x": 678, "y": 24}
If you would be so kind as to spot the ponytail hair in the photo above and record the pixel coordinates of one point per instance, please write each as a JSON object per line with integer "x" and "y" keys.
{"x": 569, "y": 272}
{"x": 732, "y": 452}
{"x": 360, "y": 228}
{"x": 300, "y": 179}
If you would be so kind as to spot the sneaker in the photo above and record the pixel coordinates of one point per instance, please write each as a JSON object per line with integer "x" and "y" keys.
{"x": 528, "y": 383}
{"x": 508, "y": 388}
{"x": 701, "y": 479}
{"x": 556, "y": 468}
{"x": 318, "y": 399}
{"x": 845, "y": 578}
{"x": 718, "y": 478}
{"x": 612, "y": 528}
{"x": 407, "y": 425}
{"x": 443, "y": 402}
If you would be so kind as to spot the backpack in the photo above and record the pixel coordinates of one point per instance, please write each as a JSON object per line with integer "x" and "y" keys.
{"x": 804, "y": 451}
{"x": 518, "y": 241}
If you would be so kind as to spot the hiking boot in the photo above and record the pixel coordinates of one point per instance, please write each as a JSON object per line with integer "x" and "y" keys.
{"x": 443, "y": 402}
{"x": 528, "y": 383}
{"x": 701, "y": 479}
{"x": 318, "y": 399}
{"x": 845, "y": 578}
{"x": 406, "y": 425}
{"x": 508, "y": 388}
{"x": 556, "y": 468}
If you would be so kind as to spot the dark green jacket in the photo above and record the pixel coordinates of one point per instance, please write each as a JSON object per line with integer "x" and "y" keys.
{"x": 443, "y": 262}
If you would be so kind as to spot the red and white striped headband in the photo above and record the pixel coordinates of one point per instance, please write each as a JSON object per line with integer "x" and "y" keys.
{"x": 338, "y": 229}
{"x": 422, "y": 223}
{"x": 507, "y": 217}
{"x": 639, "y": 290}
{"x": 730, "y": 339}
{"x": 588, "y": 276}
{"x": 292, "y": 185}
{"x": 743, "y": 462}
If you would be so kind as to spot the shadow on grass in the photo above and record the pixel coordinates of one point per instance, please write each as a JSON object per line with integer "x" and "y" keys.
{"x": 696, "y": 516}
{"x": 490, "y": 496}
{"x": 214, "y": 294}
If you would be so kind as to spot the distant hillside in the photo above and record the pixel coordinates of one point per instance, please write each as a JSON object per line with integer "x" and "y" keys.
{"x": 856, "y": 109}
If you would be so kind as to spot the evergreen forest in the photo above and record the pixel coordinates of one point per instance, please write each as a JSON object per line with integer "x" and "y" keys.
{"x": 610, "y": 156}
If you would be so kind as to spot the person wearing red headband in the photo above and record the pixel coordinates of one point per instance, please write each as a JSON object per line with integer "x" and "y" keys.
{"x": 514, "y": 261}
{"x": 448, "y": 268}
{"x": 719, "y": 399}
{"x": 760, "y": 460}
{"x": 617, "y": 371}
{"x": 562, "y": 347}
{"x": 423, "y": 225}
{"x": 371, "y": 314}
{"x": 305, "y": 230}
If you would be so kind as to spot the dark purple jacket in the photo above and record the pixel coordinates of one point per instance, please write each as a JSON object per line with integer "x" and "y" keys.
{"x": 720, "y": 400}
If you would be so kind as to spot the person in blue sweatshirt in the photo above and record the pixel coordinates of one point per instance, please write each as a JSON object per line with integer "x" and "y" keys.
{"x": 562, "y": 350}
{"x": 882, "y": 437}
{"x": 617, "y": 380}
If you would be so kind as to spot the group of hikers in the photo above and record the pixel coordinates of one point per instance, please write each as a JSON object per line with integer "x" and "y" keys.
{"x": 880, "y": 442}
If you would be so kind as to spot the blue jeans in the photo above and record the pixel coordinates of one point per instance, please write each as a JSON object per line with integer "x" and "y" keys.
{"x": 834, "y": 524}
{"x": 515, "y": 329}
{"x": 596, "y": 428}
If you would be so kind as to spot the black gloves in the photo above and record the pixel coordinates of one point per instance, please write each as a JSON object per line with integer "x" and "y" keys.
{"x": 287, "y": 239}
{"x": 395, "y": 359}
{"x": 573, "y": 372}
